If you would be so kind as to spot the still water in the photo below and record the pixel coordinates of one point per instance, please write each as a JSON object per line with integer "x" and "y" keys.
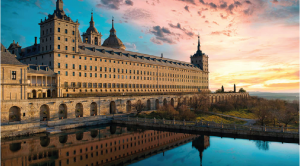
{"x": 121, "y": 145}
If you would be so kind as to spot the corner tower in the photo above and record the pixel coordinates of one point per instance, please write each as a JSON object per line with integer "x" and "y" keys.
{"x": 92, "y": 36}
{"x": 59, "y": 32}
{"x": 199, "y": 58}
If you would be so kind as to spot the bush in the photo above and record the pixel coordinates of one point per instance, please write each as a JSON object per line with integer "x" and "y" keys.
{"x": 167, "y": 112}
{"x": 186, "y": 114}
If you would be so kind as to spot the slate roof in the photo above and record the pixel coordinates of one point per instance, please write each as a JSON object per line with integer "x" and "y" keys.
{"x": 40, "y": 69}
{"x": 8, "y": 58}
{"x": 106, "y": 52}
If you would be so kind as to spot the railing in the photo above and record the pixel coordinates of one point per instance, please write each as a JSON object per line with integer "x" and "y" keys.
{"x": 211, "y": 124}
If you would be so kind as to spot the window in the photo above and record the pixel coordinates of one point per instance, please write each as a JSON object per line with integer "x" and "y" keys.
{"x": 14, "y": 75}
{"x": 95, "y": 68}
{"x": 73, "y": 48}
{"x": 84, "y": 74}
{"x": 66, "y": 65}
{"x": 79, "y": 74}
{"x": 95, "y": 74}
{"x": 58, "y": 47}
{"x": 90, "y": 67}
{"x": 66, "y": 56}
{"x": 73, "y": 56}
{"x": 66, "y": 73}
{"x": 58, "y": 38}
{"x": 90, "y": 74}
{"x": 80, "y": 57}
{"x": 58, "y": 72}
{"x": 66, "y": 48}
{"x": 58, "y": 55}
{"x": 58, "y": 65}
{"x": 66, "y": 31}
{"x": 66, "y": 39}
{"x": 73, "y": 66}
{"x": 58, "y": 29}
{"x": 73, "y": 33}
{"x": 73, "y": 73}
{"x": 84, "y": 67}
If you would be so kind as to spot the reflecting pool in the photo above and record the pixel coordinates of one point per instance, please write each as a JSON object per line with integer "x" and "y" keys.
{"x": 128, "y": 145}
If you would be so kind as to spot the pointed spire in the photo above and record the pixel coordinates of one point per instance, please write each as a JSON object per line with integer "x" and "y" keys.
{"x": 92, "y": 23}
{"x": 198, "y": 42}
{"x": 112, "y": 31}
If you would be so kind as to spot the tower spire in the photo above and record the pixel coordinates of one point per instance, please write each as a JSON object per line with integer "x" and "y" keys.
{"x": 198, "y": 42}
{"x": 92, "y": 23}
{"x": 113, "y": 31}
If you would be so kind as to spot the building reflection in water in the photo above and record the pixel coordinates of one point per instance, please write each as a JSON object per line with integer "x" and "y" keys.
{"x": 111, "y": 145}
{"x": 201, "y": 143}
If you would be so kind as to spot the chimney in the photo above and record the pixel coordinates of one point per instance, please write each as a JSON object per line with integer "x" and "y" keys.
{"x": 35, "y": 40}
{"x": 162, "y": 55}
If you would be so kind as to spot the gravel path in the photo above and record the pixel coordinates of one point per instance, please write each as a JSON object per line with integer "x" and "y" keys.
{"x": 249, "y": 121}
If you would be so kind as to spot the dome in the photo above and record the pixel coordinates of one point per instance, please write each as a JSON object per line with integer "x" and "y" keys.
{"x": 91, "y": 29}
{"x": 113, "y": 41}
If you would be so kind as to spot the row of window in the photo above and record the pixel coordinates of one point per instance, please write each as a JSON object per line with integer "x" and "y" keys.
{"x": 121, "y": 85}
{"x": 58, "y": 30}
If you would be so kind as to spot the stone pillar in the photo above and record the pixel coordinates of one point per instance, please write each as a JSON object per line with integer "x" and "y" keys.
{"x": 51, "y": 81}
{"x": 42, "y": 81}
{"x": 46, "y": 82}
{"x": 30, "y": 80}
{"x": 35, "y": 80}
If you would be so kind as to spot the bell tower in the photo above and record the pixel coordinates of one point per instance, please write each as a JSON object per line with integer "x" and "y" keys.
{"x": 92, "y": 36}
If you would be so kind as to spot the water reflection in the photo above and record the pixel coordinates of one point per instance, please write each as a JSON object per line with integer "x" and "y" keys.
{"x": 262, "y": 145}
{"x": 106, "y": 145}
{"x": 201, "y": 143}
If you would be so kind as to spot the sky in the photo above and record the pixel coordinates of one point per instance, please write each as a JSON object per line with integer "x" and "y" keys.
{"x": 251, "y": 43}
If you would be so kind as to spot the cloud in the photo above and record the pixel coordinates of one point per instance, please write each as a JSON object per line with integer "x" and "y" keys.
{"x": 206, "y": 21}
{"x": 162, "y": 35}
{"x": 37, "y": 3}
{"x": 130, "y": 46}
{"x": 249, "y": 2}
{"x": 187, "y": 8}
{"x": 67, "y": 10}
{"x": 111, "y": 4}
{"x": 212, "y": 5}
{"x": 189, "y": 1}
{"x": 215, "y": 23}
{"x": 222, "y": 16}
{"x": 43, "y": 13}
{"x": 224, "y": 32}
{"x": 137, "y": 14}
{"x": 275, "y": 1}
{"x": 178, "y": 26}
{"x": 129, "y": 2}
{"x": 224, "y": 5}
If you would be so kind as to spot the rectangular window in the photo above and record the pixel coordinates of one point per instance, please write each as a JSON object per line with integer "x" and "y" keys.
{"x": 100, "y": 75}
{"x": 100, "y": 68}
{"x": 90, "y": 74}
{"x": 95, "y": 68}
{"x": 91, "y": 68}
{"x": 79, "y": 67}
{"x": 58, "y": 72}
{"x": 73, "y": 66}
{"x": 73, "y": 33}
{"x": 58, "y": 38}
{"x": 84, "y": 67}
{"x": 66, "y": 39}
{"x": 79, "y": 74}
{"x": 66, "y": 31}
{"x": 14, "y": 75}
{"x": 66, "y": 66}
{"x": 95, "y": 74}
{"x": 66, "y": 73}
{"x": 73, "y": 48}
{"x": 84, "y": 74}
{"x": 58, "y": 30}
{"x": 73, "y": 73}
{"x": 66, "y": 56}
{"x": 66, "y": 48}
{"x": 58, "y": 55}
{"x": 58, "y": 47}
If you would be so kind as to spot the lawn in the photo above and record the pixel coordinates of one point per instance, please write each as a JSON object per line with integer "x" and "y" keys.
{"x": 242, "y": 113}
{"x": 200, "y": 116}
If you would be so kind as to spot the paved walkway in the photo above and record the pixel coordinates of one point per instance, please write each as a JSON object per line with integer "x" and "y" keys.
{"x": 249, "y": 121}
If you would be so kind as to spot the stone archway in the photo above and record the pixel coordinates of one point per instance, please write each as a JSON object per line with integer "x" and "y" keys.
{"x": 62, "y": 111}
{"x": 79, "y": 136}
{"x": 14, "y": 114}
{"x": 14, "y": 147}
{"x": 157, "y": 104}
{"x": 165, "y": 102}
{"x": 112, "y": 107}
{"x": 148, "y": 104}
{"x": 93, "y": 109}
{"x": 44, "y": 113}
{"x": 128, "y": 106}
{"x": 44, "y": 141}
{"x": 34, "y": 95}
{"x": 79, "y": 110}
{"x": 172, "y": 102}
{"x": 63, "y": 139}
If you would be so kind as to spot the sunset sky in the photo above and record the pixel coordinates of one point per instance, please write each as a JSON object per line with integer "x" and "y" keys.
{"x": 252, "y": 43}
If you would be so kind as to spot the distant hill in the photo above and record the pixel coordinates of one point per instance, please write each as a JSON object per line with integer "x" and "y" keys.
{"x": 282, "y": 96}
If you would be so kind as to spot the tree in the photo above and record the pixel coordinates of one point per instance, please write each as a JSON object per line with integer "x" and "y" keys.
{"x": 234, "y": 88}
{"x": 262, "y": 111}
{"x": 201, "y": 102}
{"x": 139, "y": 106}
{"x": 167, "y": 112}
{"x": 288, "y": 114}
{"x": 223, "y": 106}
{"x": 219, "y": 91}
{"x": 186, "y": 114}
{"x": 222, "y": 89}
{"x": 242, "y": 90}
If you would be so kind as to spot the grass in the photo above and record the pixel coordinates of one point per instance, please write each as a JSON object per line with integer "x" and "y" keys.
{"x": 218, "y": 119}
{"x": 242, "y": 113}
{"x": 200, "y": 116}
